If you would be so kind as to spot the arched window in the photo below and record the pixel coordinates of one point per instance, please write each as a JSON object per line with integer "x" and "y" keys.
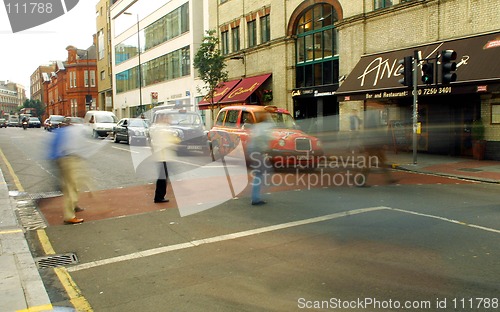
{"x": 316, "y": 47}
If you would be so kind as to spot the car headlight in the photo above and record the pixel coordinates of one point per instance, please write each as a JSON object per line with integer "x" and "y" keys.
{"x": 281, "y": 142}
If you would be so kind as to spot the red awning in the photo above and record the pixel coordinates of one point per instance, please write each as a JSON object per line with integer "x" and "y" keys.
{"x": 244, "y": 89}
{"x": 220, "y": 92}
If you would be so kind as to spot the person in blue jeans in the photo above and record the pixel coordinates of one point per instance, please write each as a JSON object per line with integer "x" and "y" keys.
{"x": 258, "y": 148}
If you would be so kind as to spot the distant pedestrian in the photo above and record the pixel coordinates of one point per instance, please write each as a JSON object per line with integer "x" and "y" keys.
{"x": 258, "y": 149}
{"x": 374, "y": 141}
{"x": 68, "y": 150}
{"x": 354, "y": 126}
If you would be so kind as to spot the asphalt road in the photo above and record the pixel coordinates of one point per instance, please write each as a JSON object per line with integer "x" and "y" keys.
{"x": 427, "y": 246}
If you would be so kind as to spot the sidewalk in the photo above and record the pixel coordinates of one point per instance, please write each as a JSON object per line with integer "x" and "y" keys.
{"x": 458, "y": 167}
{"x": 21, "y": 287}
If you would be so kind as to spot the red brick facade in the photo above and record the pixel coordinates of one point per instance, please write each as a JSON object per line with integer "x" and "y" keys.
{"x": 72, "y": 82}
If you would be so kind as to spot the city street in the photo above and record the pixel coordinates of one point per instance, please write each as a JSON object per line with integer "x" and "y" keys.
{"x": 425, "y": 243}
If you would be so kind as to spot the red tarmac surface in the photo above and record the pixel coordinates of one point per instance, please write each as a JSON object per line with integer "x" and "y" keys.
{"x": 113, "y": 203}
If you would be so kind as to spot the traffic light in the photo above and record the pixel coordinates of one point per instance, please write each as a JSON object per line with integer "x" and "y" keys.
{"x": 406, "y": 71}
{"x": 428, "y": 73}
{"x": 448, "y": 66}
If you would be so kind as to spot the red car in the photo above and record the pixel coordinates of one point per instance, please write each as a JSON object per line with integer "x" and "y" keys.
{"x": 289, "y": 146}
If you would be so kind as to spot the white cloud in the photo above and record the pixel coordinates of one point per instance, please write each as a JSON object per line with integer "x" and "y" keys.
{"x": 23, "y": 52}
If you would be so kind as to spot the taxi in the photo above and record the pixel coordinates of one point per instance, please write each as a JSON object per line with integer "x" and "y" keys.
{"x": 288, "y": 147}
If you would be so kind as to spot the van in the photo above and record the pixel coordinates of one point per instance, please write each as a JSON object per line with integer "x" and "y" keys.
{"x": 13, "y": 121}
{"x": 100, "y": 122}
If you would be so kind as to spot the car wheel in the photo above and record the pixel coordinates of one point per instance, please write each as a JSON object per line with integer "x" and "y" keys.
{"x": 116, "y": 139}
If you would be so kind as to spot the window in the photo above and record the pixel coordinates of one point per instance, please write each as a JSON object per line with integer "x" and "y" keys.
{"x": 220, "y": 118}
{"x": 252, "y": 33}
{"x": 232, "y": 118}
{"x": 235, "y": 32}
{"x": 171, "y": 25}
{"x": 103, "y": 75}
{"x": 316, "y": 47}
{"x": 495, "y": 113}
{"x": 265, "y": 29}
{"x": 100, "y": 42}
{"x": 380, "y": 4}
{"x": 225, "y": 42}
{"x": 92, "y": 78}
{"x": 86, "y": 78}
{"x": 166, "y": 67}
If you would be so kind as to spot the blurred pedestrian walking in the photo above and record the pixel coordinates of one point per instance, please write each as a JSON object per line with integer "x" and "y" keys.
{"x": 68, "y": 149}
{"x": 258, "y": 149}
{"x": 374, "y": 142}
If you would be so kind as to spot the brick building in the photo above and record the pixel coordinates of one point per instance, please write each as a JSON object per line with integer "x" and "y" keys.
{"x": 41, "y": 74}
{"x": 314, "y": 54}
{"x": 72, "y": 89}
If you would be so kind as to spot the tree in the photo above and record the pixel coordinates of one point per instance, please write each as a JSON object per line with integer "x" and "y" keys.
{"x": 211, "y": 67}
{"x": 36, "y": 104}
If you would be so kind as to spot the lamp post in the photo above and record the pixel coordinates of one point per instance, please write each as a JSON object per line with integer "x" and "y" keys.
{"x": 139, "y": 59}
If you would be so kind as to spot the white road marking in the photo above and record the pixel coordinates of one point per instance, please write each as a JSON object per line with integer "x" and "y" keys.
{"x": 447, "y": 220}
{"x": 220, "y": 238}
{"x": 155, "y": 251}
{"x": 124, "y": 149}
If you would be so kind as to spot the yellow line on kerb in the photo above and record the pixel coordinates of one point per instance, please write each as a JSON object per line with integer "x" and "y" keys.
{"x": 12, "y": 173}
{"x": 75, "y": 295}
{"x": 45, "y": 307}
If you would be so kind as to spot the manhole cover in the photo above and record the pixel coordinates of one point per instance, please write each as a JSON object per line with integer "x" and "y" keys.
{"x": 470, "y": 169}
{"x": 56, "y": 260}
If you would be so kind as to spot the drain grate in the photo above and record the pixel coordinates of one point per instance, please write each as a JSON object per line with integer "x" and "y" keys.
{"x": 45, "y": 195}
{"x": 56, "y": 261}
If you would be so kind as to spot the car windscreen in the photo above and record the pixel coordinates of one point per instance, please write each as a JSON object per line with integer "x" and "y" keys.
{"x": 105, "y": 119}
{"x": 178, "y": 119}
{"x": 140, "y": 123}
{"x": 57, "y": 118}
{"x": 283, "y": 120}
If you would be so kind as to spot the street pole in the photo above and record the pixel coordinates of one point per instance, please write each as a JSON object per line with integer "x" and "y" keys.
{"x": 140, "y": 70}
{"x": 415, "y": 105}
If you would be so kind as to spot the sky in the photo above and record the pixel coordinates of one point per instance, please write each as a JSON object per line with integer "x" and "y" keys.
{"x": 21, "y": 53}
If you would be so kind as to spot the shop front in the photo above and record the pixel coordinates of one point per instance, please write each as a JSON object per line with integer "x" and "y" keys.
{"x": 445, "y": 111}
{"x": 316, "y": 108}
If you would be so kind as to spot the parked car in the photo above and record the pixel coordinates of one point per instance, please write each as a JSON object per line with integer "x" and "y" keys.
{"x": 53, "y": 122}
{"x": 131, "y": 130}
{"x": 13, "y": 121}
{"x": 289, "y": 146}
{"x": 186, "y": 126}
{"x": 3, "y": 123}
{"x": 100, "y": 122}
{"x": 34, "y": 122}
{"x": 74, "y": 120}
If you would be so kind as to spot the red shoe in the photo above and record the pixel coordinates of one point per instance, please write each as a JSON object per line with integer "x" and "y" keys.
{"x": 73, "y": 221}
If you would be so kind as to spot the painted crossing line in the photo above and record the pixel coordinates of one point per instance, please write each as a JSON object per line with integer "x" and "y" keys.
{"x": 266, "y": 229}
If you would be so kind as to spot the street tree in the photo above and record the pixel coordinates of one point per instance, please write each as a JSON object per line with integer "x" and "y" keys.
{"x": 37, "y": 105}
{"x": 210, "y": 64}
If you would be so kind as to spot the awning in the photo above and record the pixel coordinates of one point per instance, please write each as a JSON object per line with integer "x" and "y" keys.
{"x": 244, "y": 89}
{"x": 376, "y": 76}
{"x": 220, "y": 92}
